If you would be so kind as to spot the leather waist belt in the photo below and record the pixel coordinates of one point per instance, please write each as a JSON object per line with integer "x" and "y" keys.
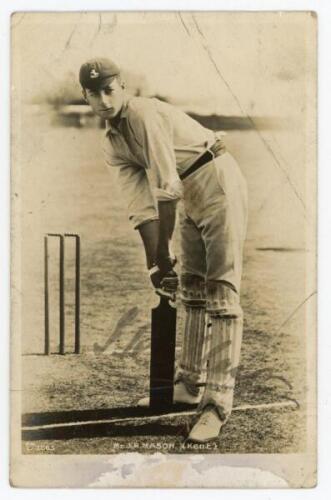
{"x": 207, "y": 156}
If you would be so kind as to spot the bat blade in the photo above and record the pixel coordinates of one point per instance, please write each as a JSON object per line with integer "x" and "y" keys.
{"x": 163, "y": 345}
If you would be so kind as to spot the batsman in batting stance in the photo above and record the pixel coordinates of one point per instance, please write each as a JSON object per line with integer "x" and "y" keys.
{"x": 162, "y": 157}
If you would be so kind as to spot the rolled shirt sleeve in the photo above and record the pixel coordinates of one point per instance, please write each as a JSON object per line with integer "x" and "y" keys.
{"x": 153, "y": 132}
{"x": 134, "y": 185}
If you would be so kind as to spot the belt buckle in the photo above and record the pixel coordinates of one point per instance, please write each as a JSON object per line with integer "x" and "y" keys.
{"x": 211, "y": 152}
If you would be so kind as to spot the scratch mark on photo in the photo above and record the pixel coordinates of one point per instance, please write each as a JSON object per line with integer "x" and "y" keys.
{"x": 242, "y": 110}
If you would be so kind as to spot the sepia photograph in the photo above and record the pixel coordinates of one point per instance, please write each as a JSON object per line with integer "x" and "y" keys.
{"x": 163, "y": 249}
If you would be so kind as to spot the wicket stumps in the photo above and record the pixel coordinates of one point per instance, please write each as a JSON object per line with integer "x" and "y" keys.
{"x": 62, "y": 238}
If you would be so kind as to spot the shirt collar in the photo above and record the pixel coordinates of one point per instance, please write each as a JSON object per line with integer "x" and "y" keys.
{"x": 110, "y": 129}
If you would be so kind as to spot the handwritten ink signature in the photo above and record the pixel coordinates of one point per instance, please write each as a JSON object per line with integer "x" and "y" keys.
{"x": 124, "y": 321}
{"x": 138, "y": 344}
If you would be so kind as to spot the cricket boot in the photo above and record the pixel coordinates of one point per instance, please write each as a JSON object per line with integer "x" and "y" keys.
{"x": 207, "y": 427}
{"x": 182, "y": 394}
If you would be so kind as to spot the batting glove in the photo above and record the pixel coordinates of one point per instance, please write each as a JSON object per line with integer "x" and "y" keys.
{"x": 165, "y": 285}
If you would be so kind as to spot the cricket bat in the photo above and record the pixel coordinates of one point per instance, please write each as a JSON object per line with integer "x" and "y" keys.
{"x": 162, "y": 363}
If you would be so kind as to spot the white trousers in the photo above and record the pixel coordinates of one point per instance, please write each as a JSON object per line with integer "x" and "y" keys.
{"x": 213, "y": 220}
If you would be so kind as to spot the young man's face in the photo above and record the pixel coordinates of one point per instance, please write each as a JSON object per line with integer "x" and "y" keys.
{"x": 108, "y": 101}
